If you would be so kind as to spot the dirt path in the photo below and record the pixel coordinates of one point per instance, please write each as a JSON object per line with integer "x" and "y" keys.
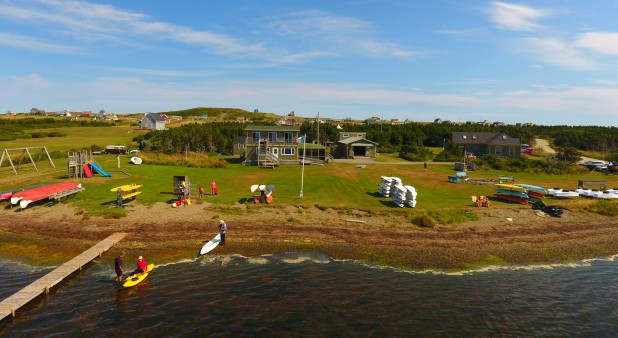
{"x": 519, "y": 235}
{"x": 544, "y": 146}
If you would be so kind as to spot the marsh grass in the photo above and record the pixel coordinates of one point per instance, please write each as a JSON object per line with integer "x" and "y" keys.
{"x": 605, "y": 208}
{"x": 192, "y": 160}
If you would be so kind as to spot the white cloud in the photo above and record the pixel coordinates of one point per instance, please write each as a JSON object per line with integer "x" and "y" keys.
{"x": 599, "y": 42}
{"x": 29, "y": 43}
{"x": 555, "y": 52}
{"x": 515, "y": 17}
{"x": 332, "y": 34}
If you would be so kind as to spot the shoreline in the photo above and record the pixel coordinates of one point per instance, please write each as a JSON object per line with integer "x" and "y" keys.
{"x": 502, "y": 236}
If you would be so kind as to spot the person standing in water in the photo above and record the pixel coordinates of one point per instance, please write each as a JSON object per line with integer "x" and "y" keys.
{"x": 119, "y": 267}
{"x": 222, "y": 231}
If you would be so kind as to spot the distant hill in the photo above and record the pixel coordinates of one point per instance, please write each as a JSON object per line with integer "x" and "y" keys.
{"x": 222, "y": 114}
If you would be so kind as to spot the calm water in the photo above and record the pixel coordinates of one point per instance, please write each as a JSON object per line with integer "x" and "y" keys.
{"x": 312, "y": 295}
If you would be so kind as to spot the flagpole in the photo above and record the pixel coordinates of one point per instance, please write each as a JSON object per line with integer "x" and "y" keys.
{"x": 302, "y": 176}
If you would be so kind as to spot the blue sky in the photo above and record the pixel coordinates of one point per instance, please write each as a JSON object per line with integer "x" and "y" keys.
{"x": 545, "y": 62}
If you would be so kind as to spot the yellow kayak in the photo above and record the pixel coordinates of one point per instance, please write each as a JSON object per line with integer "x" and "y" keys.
{"x": 134, "y": 280}
{"x": 510, "y": 187}
{"x": 127, "y": 187}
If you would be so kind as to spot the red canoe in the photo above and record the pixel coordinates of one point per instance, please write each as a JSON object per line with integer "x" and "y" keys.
{"x": 512, "y": 198}
{"x": 35, "y": 194}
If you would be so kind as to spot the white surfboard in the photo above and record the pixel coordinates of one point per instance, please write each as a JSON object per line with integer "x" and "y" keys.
{"x": 208, "y": 246}
{"x": 254, "y": 187}
{"x": 262, "y": 187}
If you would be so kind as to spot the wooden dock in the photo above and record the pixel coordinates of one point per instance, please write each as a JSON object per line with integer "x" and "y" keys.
{"x": 9, "y": 306}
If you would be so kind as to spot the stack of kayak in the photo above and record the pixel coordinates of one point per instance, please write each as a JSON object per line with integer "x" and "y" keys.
{"x": 607, "y": 194}
{"x": 386, "y": 185}
{"x": 533, "y": 190}
{"x": 511, "y": 192}
{"x": 403, "y": 195}
{"x": 53, "y": 191}
{"x": 557, "y": 192}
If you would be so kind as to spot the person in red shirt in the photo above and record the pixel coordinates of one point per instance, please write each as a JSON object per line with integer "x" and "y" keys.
{"x": 142, "y": 266}
{"x": 213, "y": 187}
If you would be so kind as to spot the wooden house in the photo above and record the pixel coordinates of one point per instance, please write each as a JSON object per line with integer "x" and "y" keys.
{"x": 354, "y": 145}
{"x": 153, "y": 121}
{"x": 483, "y": 143}
{"x": 270, "y": 146}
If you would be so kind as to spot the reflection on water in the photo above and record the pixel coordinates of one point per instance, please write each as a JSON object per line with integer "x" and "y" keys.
{"x": 311, "y": 295}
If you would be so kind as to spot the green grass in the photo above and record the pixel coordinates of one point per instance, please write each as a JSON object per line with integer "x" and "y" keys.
{"x": 78, "y": 138}
{"x": 339, "y": 185}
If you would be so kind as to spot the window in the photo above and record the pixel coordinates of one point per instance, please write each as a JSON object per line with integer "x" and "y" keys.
{"x": 346, "y": 135}
{"x": 498, "y": 151}
{"x": 288, "y": 151}
{"x": 256, "y": 136}
{"x": 272, "y": 136}
{"x": 241, "y": 146}
{"x": 511, "y": 151}
{"x": 289, "y": 137}
{"x": 359, "y": 135}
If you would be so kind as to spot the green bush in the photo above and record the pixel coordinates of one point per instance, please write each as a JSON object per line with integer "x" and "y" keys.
{"x": 424, "y": 221}
{"x": 605, "y": 208}
{"x": 415, "y": 153}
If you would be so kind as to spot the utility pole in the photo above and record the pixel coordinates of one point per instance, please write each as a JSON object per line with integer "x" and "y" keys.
{"x": 318, "y": 137}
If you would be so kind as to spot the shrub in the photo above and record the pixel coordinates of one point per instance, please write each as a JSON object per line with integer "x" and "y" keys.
{"x": 453, "y": 216}
{"x": 424, "y": 221}
{"x": 606, "y": 208}
{"x": 193, "y": 160}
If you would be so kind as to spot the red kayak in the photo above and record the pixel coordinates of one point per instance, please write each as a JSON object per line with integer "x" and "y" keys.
{"x": 512, "y": 198}
{"x": 536, "y": 194}
{"x": 35, "y": 194}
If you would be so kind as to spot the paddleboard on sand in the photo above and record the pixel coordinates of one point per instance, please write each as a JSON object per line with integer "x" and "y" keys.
{"x": 134, "y": 280}
{"x": 127, "y": 187}
{"x": 211, "y": 244}
{"x": 254, "y": 187}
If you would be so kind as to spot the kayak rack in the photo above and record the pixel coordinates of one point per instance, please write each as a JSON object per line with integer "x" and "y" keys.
{"x": 43, "y": 285}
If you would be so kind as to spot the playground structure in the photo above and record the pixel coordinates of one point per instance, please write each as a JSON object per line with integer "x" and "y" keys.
{"x": 182, "y": 187}
{"x": 82, "y": 164}
{"x": 25, "y": 151}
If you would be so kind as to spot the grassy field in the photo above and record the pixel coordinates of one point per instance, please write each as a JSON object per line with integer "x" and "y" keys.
{"x": 336, "y": 184}
{"x": 78, "y": 138}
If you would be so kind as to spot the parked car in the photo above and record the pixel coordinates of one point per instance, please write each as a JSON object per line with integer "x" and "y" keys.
{"x": 115, "y": 149}
{"x": 527, "y": 151}
{"x": 602, "y": 167}
{"x": 592, "y": 164}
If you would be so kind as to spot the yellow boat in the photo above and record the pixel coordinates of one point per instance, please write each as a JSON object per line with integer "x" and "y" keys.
{"x": 130, "y": 195}
{"x": 510, "y": 187}
{"x": 134, "y": 280}
{"x": 127, "y": 187}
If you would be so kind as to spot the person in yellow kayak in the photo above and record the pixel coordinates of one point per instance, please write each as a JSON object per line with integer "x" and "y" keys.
{"x": 142, "y": 266}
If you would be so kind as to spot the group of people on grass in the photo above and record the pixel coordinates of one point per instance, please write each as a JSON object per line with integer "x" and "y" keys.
{"x": 142, "y": 265}
{"x": 213, "y": 189}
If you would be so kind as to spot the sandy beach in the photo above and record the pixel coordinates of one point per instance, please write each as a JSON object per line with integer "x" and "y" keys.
{"x": 54, "y": 234}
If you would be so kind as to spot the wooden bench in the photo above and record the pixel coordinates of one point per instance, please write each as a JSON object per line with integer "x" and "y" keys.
{"x": 601, "y": 184}
{"x": 506, "y": 178}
